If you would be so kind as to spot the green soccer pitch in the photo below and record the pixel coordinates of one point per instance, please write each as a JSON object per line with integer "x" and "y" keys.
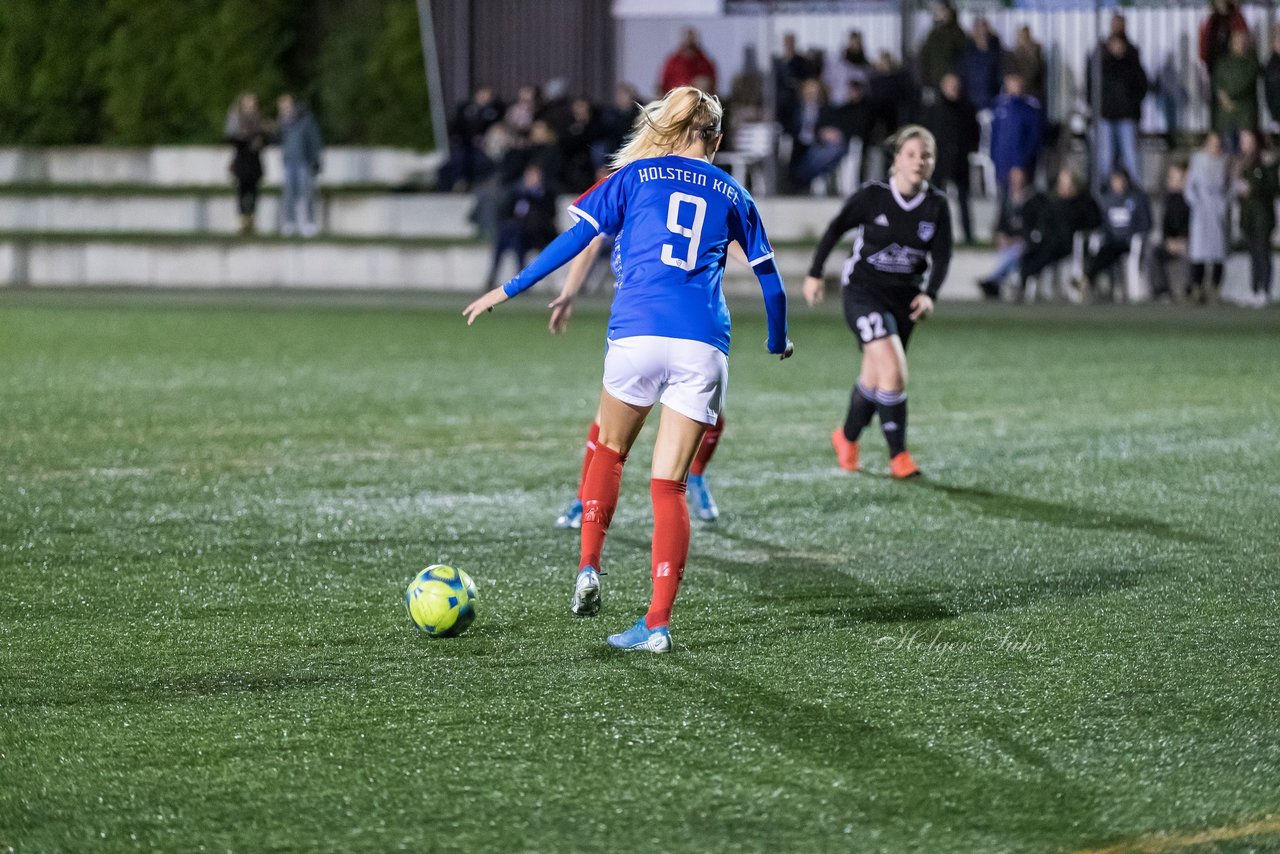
{"x": 1065, "y": 636}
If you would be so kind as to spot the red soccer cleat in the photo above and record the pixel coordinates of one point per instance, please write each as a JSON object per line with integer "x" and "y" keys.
{"x": 846, "y": 451}
{"x": 903, "y": 467}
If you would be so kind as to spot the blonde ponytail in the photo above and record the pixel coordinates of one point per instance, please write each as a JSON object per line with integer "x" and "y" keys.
{"x": 671, "y": 124}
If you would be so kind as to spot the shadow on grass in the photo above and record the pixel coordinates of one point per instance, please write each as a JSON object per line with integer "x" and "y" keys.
{"x": 1063, "y": 515}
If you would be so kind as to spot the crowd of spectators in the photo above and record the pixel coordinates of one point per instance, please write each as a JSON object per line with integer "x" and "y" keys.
{"x": 984, "y": 101}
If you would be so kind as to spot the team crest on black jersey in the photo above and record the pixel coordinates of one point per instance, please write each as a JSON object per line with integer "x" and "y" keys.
{"x": 896, "y": 259}
{"x": 925, "y": 230}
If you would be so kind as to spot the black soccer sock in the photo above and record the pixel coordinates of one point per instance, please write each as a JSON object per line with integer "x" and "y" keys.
{"x": 862, "y": 408}
{"x": 892, "y": 406}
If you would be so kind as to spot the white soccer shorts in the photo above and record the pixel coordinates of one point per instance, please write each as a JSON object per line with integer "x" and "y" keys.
{"x": 690, "y": 377}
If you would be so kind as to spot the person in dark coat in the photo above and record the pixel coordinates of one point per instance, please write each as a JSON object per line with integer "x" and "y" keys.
{"x": 940, "y": 53}
{"x": 301, "y": 155}
{"x": 1175, "y": 226}
{"x": 1257, "y": 186}
{"x": 1051, "y": 237}
{"x": 248, "y": 136}
{"x": 467, "y": 163}
{"x": 1124, "y": 86}
{"x": 980, "y": 65}
{"x": 953, "y": 119}
{"x": 1271, "y": 77}
{"x": 1017, "y": 132}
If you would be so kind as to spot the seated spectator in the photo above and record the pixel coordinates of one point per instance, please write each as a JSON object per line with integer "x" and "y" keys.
{"x": 1126, "y": 214}
{"x": 838, "y": 127}
{"x": 1175, "y": 222}
{"x": 1257, "y": 185}
{"x": 686, "y": 64}
{"x": 980, "y": 65}
{"x": 1020, "y": 209}
{"x": 802, "y": 127}
{"x": 1050, "y": 237}
{"x": 1017, "y": 132}
{"x": 953, "y": 119}
{"x": 746, "y": 90}
{"x": 526, "y": 221}
{"x": 467, "y": 164}
{"x": 519, "y": 116}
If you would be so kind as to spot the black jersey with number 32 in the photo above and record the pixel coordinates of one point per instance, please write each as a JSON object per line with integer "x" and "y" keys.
{"x": 899, "y": 239}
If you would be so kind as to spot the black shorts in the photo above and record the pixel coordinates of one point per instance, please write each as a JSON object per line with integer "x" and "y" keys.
{"x": 875, "y": 313}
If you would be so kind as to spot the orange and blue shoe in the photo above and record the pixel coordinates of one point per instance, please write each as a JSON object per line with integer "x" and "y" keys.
{"x": 642, "y": 638}
{"x": 846, "y": 451}
{"x": 903, "y": 467}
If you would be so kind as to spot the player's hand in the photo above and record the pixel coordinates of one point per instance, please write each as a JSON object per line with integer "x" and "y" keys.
{"x": 814, "y": 290}
{"x": 485, "y": 303}
{"x": 561, "y": 312}
{"x": 921, "y": 306}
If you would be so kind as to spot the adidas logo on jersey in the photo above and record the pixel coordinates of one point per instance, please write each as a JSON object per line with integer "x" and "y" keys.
{"x": 896, "y": 259}
{"x": 881, "y": 220}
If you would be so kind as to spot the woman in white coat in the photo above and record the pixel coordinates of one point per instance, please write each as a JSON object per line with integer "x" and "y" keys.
{"x": 1207, "y": 194}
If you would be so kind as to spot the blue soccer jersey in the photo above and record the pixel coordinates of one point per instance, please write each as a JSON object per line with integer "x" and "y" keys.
{"x": 673, "y": 218}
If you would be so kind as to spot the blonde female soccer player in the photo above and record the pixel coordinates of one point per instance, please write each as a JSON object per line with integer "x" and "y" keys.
{"x": 674, "y": 215}
{"x": 904, "y": 230}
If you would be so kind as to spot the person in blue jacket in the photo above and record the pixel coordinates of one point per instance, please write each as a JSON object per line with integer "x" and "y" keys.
{"x": 1017, "y": 132}
{"x": 673, "y": 216}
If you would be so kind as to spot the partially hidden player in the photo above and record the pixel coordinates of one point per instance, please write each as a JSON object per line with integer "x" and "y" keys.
{"x": 904, "y": 230}
{"x": 561, "y": 311}
{"x": 674, "y": 215}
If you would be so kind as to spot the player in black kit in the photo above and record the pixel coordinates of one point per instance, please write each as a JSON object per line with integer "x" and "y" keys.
{"x": 904, "y": 230}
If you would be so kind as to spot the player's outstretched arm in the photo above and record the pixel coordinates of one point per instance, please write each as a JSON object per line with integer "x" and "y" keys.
{"x": 562, "y": 306}
{"x": 560, "y": 250}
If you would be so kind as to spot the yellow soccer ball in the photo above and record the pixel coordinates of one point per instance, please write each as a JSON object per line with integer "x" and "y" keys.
{"x": 441, "y": 601}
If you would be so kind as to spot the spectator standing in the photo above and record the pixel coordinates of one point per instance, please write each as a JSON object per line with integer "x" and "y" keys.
{"x": 850, "y": 64}
{"x": 1208, "y": 178}
{"x": 582, "y": 147}
{"x": 1020, "y": 210}
{"x": 746, "y": 90}
{"x": 980, "y": 64}
{"x": 1026, "y": 59}
{"x": 1257, "y": 186}
{"x": 953, "y": 119}
{"x": 617, "y": 120}
{"x": 688, "y": 63}
{"x": 1124, "y": 86}
{"x": 301, "y": 150}
{"x": 1017, "y": 132}
{"x": 1235, "y": 91}
{"x": 245, "y": 131}
{"x": 790, "y": 69}
{"x": 1271, "y": 76}
{"x": 894, "y": 96}
{"x": 1051, "y": 236}
{"x": 1126, "y": 214}
{"x": 526, "y": 221}
{"x": 1175, "y": 223}
{"x": 943, "y": 46}
{"x": 1223, "y": 21}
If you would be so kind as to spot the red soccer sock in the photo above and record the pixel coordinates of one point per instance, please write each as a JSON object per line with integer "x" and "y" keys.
{"x": 599, "y": 499}
{"x": 710, "y": 439}
{"x": 670, "y": 547}
{"x": 592, "y": 435}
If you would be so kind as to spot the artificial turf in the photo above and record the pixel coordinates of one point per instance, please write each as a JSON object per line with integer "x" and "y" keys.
{"x": 1064, "y": 636}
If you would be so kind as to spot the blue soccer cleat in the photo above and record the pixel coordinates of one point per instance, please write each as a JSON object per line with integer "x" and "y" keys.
{"x": 586, "y": 593}
{"x": 703, "y": 503}
{"x": 572, "y": 515}
{"x": 641, "y": 637}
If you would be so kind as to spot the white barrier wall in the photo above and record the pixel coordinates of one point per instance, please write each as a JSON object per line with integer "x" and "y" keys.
{"x": 199, "y": 165}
